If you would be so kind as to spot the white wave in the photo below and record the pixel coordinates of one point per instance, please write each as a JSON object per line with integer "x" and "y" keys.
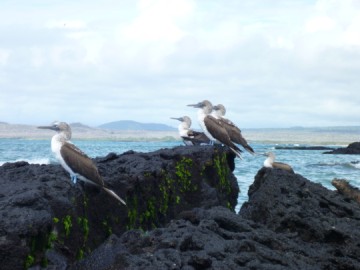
{"x": 30, "y": 161}
{"x": 355, "y": 165}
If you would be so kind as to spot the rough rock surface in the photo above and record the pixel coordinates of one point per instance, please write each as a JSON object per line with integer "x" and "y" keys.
{"x": 203, "y": 239}
{"x": 47, "y": 221}
{"x": 351, "y": 149}
{"x": 322, "y": 222}
{"x": 288, "y": 223}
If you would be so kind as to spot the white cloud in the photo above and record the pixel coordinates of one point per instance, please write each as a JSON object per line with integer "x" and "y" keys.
{"x": 351, "y": 35}
{"x": 4, "y": 56}
{"x": 320, "y": 23}
{"x": 158, "y": 21}
{"x": 67, "y": 24}
{"x": 127, "y": 59}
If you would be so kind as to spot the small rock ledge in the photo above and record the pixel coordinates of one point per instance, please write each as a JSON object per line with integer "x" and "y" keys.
{"x": 351, "y": 149}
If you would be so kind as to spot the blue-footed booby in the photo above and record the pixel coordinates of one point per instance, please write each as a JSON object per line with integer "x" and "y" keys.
{"x": 73, "y": 160}
{"x": 212, "y": 127}
{"x": 233, "y": 131}
{"x": 270, "y": 163}
{"x": 189, "y": 136}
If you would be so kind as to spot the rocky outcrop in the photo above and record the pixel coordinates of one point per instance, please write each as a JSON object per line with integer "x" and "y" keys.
{"x": 321, "y": 223}
{"x": 288, "y": 223}
{"x": 303, "y": 148}
{"x": 351, "y": 149}
{"x": 47, "y": 221}
{"x": 203, "y": 239}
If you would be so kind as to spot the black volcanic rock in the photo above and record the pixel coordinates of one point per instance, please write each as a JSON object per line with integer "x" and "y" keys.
{"x": 288, "y": 223}
{"x": 204, "y": 239}
{"x": 47, "y": 221}
{"x": 320, "y": 221}
{"x": 351, "y": 149}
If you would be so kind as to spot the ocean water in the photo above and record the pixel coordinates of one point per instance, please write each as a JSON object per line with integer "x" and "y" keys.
{"x": 311, "y": 164}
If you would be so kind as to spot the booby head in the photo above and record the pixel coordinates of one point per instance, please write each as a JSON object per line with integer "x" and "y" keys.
{"x": 61, "y": 128}
{"x": 205, "y": 105}
{"x": 268, "y": 163}
{"x": 185, "y": 119}
{"x": 219, "y": 110}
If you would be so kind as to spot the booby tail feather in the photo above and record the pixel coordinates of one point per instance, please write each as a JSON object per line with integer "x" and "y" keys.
{"x": 112, "y": 193}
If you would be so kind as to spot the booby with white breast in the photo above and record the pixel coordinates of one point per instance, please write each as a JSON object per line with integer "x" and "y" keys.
{"x": 212, "y": 127}
{"x": 233, "y": 131}
{"x": 73, "y": 160}
{"x": 189, "y": 136}
{"x": 270, "y": 163}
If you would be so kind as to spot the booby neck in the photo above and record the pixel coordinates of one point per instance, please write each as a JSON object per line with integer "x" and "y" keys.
{"x": 184, "y": 126}
{"x": 218, "y": 111}
{"x": 268, "y": 163}
{"x": 203, "y": 112}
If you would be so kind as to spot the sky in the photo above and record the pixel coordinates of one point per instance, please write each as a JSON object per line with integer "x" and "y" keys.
{"x": 270, "y": 63}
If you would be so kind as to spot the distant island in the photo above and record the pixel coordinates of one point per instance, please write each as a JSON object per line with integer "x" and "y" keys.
{"x": 128, "y": 130}
{"x": 133, "y": 125}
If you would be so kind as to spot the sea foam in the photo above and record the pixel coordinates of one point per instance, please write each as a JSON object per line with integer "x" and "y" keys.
{"x": 30, "y": 161}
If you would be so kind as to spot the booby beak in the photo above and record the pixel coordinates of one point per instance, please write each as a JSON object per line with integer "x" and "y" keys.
{"x": 49, "y": 127}
{"x": 179, "y": 119}
{"x": 266, "y": 154}
{"x": 199, "y": 105}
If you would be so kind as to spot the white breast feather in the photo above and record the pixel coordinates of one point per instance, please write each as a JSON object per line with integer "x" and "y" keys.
{"x": 55, "y": 148}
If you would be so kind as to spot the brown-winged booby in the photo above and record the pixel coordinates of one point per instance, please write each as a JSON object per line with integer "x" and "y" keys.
{"x": 73, "y": 160}
{"x": 189, "y": 136}
{"x": 212, "y": 127}
{"x": 233, "y": 131}
{"x": 270, "y": 163}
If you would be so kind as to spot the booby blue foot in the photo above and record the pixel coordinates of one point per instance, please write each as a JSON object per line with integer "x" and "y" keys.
{"x": 74, "y": 179}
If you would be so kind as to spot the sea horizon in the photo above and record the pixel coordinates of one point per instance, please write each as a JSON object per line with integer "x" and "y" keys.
{"x": 331, "y": 135}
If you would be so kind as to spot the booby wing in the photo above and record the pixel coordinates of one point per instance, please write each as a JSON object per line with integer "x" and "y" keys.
{"x": 195, "y": 138}
{"x": 80, "y": 163}
{"x": 282, "y": 166}
{"x": 217, "y": 130}
{"x": 235, "y": 134}
{"x": 194, "y": 133}
{"x": 198, "y": 137}
{"x": 229, "y": 122}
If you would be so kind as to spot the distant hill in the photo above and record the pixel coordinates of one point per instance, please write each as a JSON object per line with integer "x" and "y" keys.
{"x": 78, "y": 125}
{"x": 133, "y": 125}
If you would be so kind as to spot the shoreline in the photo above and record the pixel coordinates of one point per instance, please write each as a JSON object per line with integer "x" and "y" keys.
{"x": 308, "y": 136}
